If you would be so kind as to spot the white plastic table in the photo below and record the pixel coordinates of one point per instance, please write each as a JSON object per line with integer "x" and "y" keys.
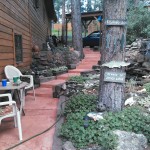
{"x": 20, "y": 88}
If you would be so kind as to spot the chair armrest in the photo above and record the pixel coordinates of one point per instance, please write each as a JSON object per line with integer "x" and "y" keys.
{"x": 31, "y": 84}
{"x": 7, "y": 103}
{"x": 7, "y": 95}
{"x": 29, "y": 76}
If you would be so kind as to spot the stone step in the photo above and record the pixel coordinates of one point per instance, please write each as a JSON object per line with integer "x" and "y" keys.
{"x": 87, "y": 67}
{"x": 67, "y": 76}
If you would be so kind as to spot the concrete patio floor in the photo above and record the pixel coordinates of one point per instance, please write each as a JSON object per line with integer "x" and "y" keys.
{"x": 41, "y": 113}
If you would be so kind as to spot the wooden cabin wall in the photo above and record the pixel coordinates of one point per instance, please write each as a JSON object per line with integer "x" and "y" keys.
{"x": 20, "y": 16}
{"x": 40, "y": 24}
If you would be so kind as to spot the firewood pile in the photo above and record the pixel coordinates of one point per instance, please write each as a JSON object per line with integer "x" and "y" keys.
{"x": 138, "y": 54}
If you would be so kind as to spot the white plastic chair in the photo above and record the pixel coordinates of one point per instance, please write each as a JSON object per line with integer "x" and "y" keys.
{"x": 15, "y": 113}
{"x": 11, "y": 71}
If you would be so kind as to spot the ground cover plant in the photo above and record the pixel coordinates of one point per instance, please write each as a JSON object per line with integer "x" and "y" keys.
{"x": 132, "y": 119}
{"x": 78, "y": 79}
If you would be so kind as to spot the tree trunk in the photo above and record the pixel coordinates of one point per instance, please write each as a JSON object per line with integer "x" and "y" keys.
{"x": 63, "y": 23}
{"x": 111, "y": 94}
{"x": 77, "y": 26}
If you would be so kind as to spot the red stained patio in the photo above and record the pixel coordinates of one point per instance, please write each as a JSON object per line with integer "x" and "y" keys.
{"x": 41, "y": 113}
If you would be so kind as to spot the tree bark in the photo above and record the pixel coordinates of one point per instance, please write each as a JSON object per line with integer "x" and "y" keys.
{"x": 63, "y": 22}
{"x": 111, "y": 95}
{"x": 77, "y": 26}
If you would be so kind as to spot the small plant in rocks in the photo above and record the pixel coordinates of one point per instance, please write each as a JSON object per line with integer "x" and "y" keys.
{"x": 78, "y": 79}
{"x": 147, "y": 87}
{"x": 58, "y": 69}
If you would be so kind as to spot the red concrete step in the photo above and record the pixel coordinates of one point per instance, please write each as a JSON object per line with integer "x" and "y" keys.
{"x": 40, "y": 103}
{"x": 42, "y": 92}
{"x": 67, "y": 76}
{"x": 78, "y": 70}
{"x": 90, "y": 61}
{"x": 52, "y": 83}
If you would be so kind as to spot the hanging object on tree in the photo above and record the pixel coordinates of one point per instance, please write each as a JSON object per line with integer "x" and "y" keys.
{"x": 116, "y": 77}
{"x": 115, "y": 64}
{"x": 115, "y": 22}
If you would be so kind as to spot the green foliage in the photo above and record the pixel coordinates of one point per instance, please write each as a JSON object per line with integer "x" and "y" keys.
{"x": 81, "y": 102}
{"x": 57, "y": 69}
{"x": 138, "y": 24}
{"x": 131, "y": 119}
{"x": 147, "y": 87}
{"x": 95, "y": 134}
{"x": 143, "y": 101}
{"x": 78, "y": 79}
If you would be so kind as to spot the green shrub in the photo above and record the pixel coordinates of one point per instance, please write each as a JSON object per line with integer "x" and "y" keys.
{"x": 78, "y": 79}
{"x": 140, "y": 27}
{"x": 81, "y": 102}
{"x": 147, "y": 87}
{"x": 100, "y": 132}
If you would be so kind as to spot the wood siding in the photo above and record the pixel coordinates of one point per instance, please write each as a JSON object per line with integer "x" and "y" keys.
{"x": 21, "y": 17}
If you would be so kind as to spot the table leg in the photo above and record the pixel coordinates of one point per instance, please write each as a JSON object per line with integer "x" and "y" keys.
{"x": 21, "y": 95}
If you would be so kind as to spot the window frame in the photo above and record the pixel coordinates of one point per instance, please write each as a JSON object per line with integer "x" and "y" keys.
{"x": 20, "y": 47}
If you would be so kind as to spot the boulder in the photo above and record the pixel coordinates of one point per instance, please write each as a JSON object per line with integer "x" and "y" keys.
{"x": 93, "y": 148}
{"x": 139, "y": 57}
{"x": 130, "y": 141}
{"x": 134, "y": 44}
{"x": 68, "y": 146}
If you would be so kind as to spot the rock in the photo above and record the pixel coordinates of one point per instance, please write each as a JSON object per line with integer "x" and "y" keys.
{"x": 146, "y": 64}
{"x": 130, "y": 141}
{"x": 134, "y": 48}
{"x": 131, "y": 55}
{"x": 126, "y": 49}
{"x": 71, "y": 66}
{"x": 68, "y": 146}
{"x": 140, "y": 58}
{"x": 130, "y": 101}
{"x": 93, "y": 148}
{"x": 134, "y": 44}
{"x": 128, "y": 46}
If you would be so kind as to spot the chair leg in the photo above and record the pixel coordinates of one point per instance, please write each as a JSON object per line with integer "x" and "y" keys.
{"x": 33, "y": 92}
{"x": 15, "y": 121}
{"x": 15, "y": 117}
{"x": 19, "y": 126}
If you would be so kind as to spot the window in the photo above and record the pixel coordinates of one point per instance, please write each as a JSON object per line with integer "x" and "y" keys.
{"x": 94, "y": 35}
{"x": 36, "y": 3}
{"x": 18, "y": 48}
